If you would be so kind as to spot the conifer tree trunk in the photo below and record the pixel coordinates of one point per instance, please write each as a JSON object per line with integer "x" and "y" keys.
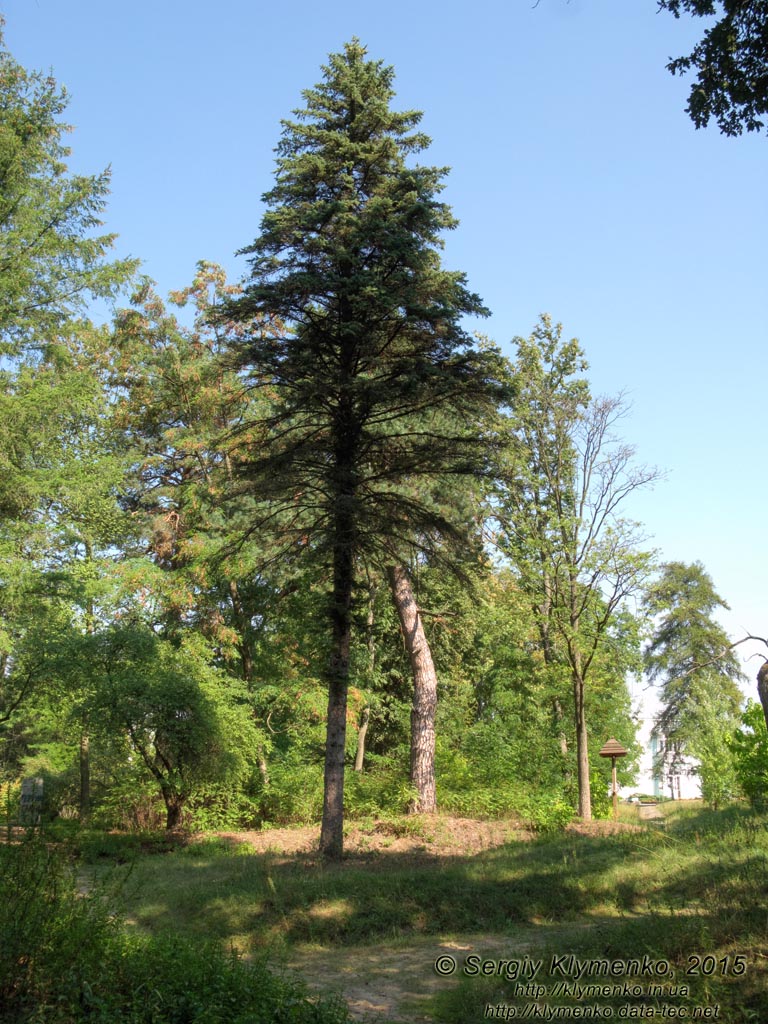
{"x": 424, "y": 693}
{"x": 84, "y": 753}
{"x": 332, "y": 829}
{"x": 245, "y": 646}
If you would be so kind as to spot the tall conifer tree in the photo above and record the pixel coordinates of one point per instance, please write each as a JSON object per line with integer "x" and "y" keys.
{"x": 52, "y": 258}
{"x": 374, "y": 382}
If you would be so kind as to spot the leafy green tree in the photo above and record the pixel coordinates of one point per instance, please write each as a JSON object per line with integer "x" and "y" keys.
{"x": 566, "y": 477}
{"x": 51, "y": 261}
{"x": 62, "y": 516}
{"x": 730, "y": 63}
{"x": 711, "y": 745}
{"x": 176, "y": 400}
{"x": 189, "y": 723}
{"x": 750, "y": 750}
{"x": 348, "y": 262}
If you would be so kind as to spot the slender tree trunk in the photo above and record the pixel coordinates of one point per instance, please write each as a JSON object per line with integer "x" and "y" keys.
{"x": 424, "y": 693}
{"x": 85, "y": 774}
{"x": 545, "y": 635}
{"x": 557, "y": 711}
{"x": 263, "y": 772}
{"x": 332, "y": 828}
{"x": 244, "y": 647}
{"x": 582, "y": 748}
{"x": 362, "y": 733}
{"x": 84, "y": 757}
{"x": 369, "y": 624}
{"x": 371, "y": 644}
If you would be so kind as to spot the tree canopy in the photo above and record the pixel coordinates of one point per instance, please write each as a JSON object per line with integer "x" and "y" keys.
{"x": 730, "y": 64}
{"x": 51, "y": 258}
{"x": 208, "y": 504}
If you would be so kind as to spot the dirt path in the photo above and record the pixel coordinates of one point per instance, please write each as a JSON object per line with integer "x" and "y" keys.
{"x": 649, "y": 812}
{"x": 393, "y": 983}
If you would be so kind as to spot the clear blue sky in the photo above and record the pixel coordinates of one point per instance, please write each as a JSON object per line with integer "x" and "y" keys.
{"x": 581, "y": 186}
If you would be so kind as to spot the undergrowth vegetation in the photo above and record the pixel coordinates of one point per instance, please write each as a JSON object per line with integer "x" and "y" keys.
{"x": 695, "y": 885}
{"x": 68, "y": 958}
{"x": 191, "y": 930}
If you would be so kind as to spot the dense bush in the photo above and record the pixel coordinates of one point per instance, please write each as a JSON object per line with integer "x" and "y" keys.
{"x": 66, "y": 958}
{"x": 750, "y": 753}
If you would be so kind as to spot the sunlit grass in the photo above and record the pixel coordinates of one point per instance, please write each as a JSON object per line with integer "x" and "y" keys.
{"x": 697, "y": 882}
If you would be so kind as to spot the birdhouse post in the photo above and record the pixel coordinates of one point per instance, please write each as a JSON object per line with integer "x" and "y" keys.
{"x": 614, "y": 749}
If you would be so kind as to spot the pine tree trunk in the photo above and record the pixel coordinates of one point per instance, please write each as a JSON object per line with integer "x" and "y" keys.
{"x": 424, "y": 693}
{"x": 84, "y": 757}
{"x": 244, "y": 647}
{"x": 332, "y": 828}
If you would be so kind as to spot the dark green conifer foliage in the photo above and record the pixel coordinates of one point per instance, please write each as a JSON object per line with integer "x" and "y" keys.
{"x": 374, "y": 383}
{"x": 689, "y": 654}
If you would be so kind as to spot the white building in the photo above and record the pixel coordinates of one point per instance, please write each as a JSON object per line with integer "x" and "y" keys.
{"x": 663, "y": 770}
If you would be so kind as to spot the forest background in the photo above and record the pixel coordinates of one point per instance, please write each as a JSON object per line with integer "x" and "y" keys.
{"x": 644, "y": 348}
{"x": 581, "y": 187}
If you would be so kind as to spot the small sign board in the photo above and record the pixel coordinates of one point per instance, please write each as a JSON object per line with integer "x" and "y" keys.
{"x": 31, "y": 801}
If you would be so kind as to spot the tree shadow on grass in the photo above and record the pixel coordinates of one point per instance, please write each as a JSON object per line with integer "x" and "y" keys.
{"x": 386, "y": 895}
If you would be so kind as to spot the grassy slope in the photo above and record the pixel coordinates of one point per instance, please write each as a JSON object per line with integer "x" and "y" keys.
{"x": 697, "y": 886}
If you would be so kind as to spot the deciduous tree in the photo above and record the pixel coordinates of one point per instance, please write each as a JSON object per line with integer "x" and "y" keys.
{"x": 730, "y": 64}
{"x": 568, "y": 474}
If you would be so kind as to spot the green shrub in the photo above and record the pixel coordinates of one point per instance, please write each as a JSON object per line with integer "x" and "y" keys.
{"x": 222, "y": 807}
{"x": 480, "y": 802}
{"x": 66, "y": 959}
{"x": 547, "y": 812}
{"x": 750, "y": 753}
{"x": 131, "y": 803}
{"x": 383, "y": 788}
{"x": 294, "y": 793}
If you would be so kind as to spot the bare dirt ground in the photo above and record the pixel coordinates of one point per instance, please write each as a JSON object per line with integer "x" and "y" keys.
{"x": 420, "y": 835}
{"x": 393, "y": 982}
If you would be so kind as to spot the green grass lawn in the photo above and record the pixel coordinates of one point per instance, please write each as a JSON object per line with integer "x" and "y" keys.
{"x": 694, "y": 888}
